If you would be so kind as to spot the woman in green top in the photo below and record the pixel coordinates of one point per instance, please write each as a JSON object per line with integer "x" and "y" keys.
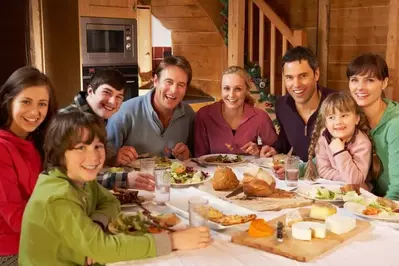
{"x": 368, "y": 78}
{"x": 68, "y": 212}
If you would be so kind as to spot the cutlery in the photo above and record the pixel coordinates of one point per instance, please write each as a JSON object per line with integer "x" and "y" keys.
{"x": 290, "y": 151}
{"x": 144, "y": 156}
{"x": 198, "y": 162}
{"x": 235, "y": 192}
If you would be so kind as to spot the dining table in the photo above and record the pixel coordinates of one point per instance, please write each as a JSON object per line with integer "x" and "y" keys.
{"x": 378, "y": 245}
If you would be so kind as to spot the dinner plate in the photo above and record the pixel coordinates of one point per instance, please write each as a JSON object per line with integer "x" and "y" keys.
{"x": 203, "y": 158}
{"x": 309, "y": 191}
{"x": 263, "y": 162}
{"x": 357, "y": 209}
{"x": 179, "y": 185}
{"x": 179, "y": 204}
{"x": 136, "y": 165}
{"x": 148, "y": 197}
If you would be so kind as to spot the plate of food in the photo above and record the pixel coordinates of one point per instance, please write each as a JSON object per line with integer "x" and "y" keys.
{"x": 375, "y": 208}
{"x": 220, "y": 214}
{"x": 142, "y": 222}
{"x": 130, "y": 197}
{"x": 329, "y": 193}
{"x": 160, "y": 162}
{"x": 221, "y": 159}
{"x": 263, "y": 162}
{"x": 182, "y": 175}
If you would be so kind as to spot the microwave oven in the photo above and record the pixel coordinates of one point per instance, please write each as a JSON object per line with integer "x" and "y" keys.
{"x": 108, "y": 41}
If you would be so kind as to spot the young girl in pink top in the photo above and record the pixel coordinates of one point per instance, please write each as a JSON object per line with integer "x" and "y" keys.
{"x": 340, "y": 141}
{"x": 233, "y": 124}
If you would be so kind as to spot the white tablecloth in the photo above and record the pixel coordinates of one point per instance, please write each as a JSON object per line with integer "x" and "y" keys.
{"x": 377, "y": 246}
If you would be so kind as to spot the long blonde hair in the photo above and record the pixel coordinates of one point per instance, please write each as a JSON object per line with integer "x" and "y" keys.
{"x": 343, "y": 102}
{"x": 248, "y": 82}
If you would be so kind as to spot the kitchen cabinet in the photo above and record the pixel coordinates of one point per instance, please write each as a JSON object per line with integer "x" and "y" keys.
{"x": 108, "y": 8}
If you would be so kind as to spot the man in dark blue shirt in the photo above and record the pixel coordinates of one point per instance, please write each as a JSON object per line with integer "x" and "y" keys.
{"x": 297, "y": 111}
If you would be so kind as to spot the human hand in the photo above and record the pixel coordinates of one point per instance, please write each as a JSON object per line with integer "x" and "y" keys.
{"x": 191, "y": 238}
{"x": 279, "y": 171}
{"x": 181, "y": 151}
{"x": 267, "y": 151}
{"x": 336, "y": 145}
{"x": 138, "y": 180}
{"x": 126, "y": 155}
{"x": 250, "y": 148}
{"x": 89, "y": 261}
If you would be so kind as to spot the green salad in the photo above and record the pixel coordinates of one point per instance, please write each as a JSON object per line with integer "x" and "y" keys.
{"x": 181, "y": 174}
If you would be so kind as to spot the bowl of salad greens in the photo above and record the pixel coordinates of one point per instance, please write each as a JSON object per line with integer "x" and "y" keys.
{"x": 182, "y": 175}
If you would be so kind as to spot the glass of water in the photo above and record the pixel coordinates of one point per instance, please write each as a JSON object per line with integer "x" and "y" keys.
{"x": 162, "y": 186}
{"x": 147, "y": 166}
{"x": 198, "y": 211}
{"x": 291, "y": 171}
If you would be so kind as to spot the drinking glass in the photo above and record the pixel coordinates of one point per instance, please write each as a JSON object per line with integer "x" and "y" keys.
{"x": 197, "y": 211}
{"x": 291, "y": 171}
{"x": 147, "y": 165}
{"x": 162, "y": 186}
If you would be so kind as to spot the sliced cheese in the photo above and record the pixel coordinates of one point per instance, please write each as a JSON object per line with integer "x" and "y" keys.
{"x": 293, "y": 217}
{"x": 321, "y": 210}
{"x": 307, "y": 230}
{"x": 340, "y": 224}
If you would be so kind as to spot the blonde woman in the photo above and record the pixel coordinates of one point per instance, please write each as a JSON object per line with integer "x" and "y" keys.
{"x": 233, "y": 124}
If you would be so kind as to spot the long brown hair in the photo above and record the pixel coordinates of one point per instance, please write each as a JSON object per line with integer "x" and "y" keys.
{"x": 246, "y": 77}
{"x": 21, "y": 79}
{"x": 343, "y": 102}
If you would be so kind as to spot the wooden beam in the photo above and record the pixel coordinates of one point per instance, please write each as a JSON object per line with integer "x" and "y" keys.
{"x": 144, "y": 45}
{"x": 283, "y": 89}
{"x": 36, "y": 52}
{"x": 250, "y": 31}
{"x": 322, "y": 39}
{"x": 392, "y": 51}
{"x": 236, "y": 33}
{"x": 272, "y": 58}
{"x": 261, "y": 57}
{"x": 275, "y": 19}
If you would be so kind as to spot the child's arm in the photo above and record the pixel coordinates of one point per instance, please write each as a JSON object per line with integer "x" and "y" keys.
{"x": 324, "y": 167}
{"x": 78, "y": 232}
{"x": 354, "y": 164}
{"x": 107, "y": 207}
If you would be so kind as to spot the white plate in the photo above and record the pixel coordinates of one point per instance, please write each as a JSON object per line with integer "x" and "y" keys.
{"x": 308, "y": 191}
{"x": 357, "y": 209}
{"x": 136, "y": 165}
{"x": 203, "y": 157}
{"x": 179, "y": 204}
{"x": 191, "y": 184}
{"x": 148, "y": 197}
{"x": 263, "y": 162}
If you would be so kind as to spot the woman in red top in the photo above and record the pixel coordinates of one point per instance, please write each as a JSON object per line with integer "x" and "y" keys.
{"x": 27, "y": 103}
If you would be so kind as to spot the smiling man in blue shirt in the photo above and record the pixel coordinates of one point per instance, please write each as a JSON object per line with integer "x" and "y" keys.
{"x": 297, "y": 111}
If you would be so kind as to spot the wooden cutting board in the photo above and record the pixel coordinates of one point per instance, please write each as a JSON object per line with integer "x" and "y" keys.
{"x": 297, "y": 249}
{"x": 259, "y": 203}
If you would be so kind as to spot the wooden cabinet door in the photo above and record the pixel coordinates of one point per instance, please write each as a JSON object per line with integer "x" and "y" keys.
{"x": 108, "y": 8}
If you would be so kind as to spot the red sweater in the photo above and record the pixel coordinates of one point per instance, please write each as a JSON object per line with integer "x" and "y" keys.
{"x": 20, "y": 165}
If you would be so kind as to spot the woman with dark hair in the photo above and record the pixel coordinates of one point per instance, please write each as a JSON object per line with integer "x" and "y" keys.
{"x": 233, "y": 124}
{"x": 368, "y": 78}
{"x": 27, "y": 103}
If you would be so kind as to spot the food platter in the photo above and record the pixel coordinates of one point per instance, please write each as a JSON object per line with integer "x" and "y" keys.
{"x": 222, "y": 159}
{"x": 359, "y": 208}
{"x": 263, "y": 162}
{"x": 160, "y": 163}
{"x": 321, "y": 192}
{"x": 183, "y": 176}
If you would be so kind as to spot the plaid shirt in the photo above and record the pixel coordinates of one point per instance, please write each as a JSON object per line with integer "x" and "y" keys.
{"x": 106, "y": 179}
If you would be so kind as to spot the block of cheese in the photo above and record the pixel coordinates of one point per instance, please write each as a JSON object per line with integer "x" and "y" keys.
{"x": 307, "y": 230}
{"x": 293, "y": 217}
{"x": 321, "y": 210}
{"x": 340, "y": 224}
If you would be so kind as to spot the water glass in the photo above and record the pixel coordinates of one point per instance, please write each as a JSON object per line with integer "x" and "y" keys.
{"x": 147, "y": 165}
{"x": 292, "y": 171}
{"x": 162, "y": 186}
{"x": 197, "y": 211}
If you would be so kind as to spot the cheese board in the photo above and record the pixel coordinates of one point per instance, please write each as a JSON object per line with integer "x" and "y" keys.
{"x": 302, "y": 250}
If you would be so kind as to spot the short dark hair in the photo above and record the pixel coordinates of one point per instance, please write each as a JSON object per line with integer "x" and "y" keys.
{"x": 21, "y": 79}
{"x": 65, "y": 132}
{"x": 179, "y": 61}
{"x": 300, "y": 53}
{"x": 368, "y": 64}
{"x": 109, "y": 76}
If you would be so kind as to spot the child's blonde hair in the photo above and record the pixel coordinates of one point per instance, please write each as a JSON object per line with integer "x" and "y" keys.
{"x": 246, "y": 77}
{"x": 343, "y": 102}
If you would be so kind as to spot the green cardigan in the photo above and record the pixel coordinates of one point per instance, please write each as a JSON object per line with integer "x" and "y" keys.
{"x": 386, "y": 140}
{"x": 58, "y": 227}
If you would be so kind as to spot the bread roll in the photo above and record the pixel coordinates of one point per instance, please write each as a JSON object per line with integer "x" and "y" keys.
{"x": 321, "y": 210}
{"x": 224, "y": 179}
{"x": 258, "y": 183}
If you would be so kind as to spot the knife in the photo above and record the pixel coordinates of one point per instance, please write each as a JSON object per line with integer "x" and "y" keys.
{"x": 235, "y": 192}
{"x": 198, "y": 162}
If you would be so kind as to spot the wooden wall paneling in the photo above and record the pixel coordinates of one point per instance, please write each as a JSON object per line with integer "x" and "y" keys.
{"x": 196, "y": 38}
{"x": 357, "y": 3}
{"x": 188, "y": 24}
{"x": 284, "y": 45}
{"x": 261, "y": 39}
{"x": 172, "y": 2}
{"x": 344, "y": 54}
{"x": 236, "y": 32}
{"x": 322, "y": 40}
{"x": 272, "y": 58}
{"x": 357, "y": 34}
{"x": 338, "y": 85}
{"x": 250, "y": 30}
{"x": 392, "y": 52}
{"x": 366, "y": 17}
{"x": 108, "y": 8}
{"x": 178, "y": 11}
{"x": 36, "y": 35}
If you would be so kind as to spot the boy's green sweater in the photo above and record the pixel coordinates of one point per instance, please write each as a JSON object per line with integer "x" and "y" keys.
{"x": 58, "y": 227}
